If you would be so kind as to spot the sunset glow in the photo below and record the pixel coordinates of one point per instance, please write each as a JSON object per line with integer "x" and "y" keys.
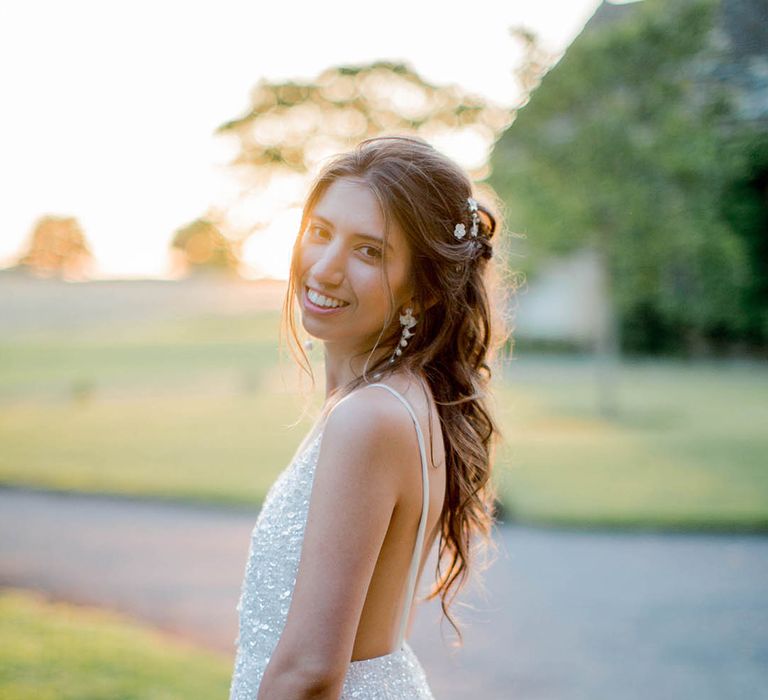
{"x": 109, "y": 116}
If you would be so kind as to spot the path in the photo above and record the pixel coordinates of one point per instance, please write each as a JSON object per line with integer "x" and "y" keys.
{"x": 568, "y": 615}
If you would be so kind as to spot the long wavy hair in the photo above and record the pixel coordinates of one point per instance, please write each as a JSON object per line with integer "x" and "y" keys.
{"x": 461, "y": 290}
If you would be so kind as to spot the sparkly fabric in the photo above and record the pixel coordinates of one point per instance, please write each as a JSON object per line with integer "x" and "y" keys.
{"x": 270, "y": 575}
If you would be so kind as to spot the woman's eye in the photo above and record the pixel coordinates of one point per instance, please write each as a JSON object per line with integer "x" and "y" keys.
{"x": 371, "y": 252}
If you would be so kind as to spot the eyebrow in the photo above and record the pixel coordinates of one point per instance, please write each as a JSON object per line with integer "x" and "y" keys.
{"x": 364, "y": 236}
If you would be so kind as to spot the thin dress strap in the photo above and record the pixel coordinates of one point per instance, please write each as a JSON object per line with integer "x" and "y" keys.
{"x": 416, "y": 558}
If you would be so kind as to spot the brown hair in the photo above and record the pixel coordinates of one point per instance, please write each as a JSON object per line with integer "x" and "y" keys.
{"x": 460, "y": 326}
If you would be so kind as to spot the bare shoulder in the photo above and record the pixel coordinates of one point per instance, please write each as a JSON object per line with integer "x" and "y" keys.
{"x": 371, "y": 423}
{"x": 370, "y": 434}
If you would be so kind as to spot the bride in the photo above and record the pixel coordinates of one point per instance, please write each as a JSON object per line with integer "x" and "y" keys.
{"x": 390, "y": 270}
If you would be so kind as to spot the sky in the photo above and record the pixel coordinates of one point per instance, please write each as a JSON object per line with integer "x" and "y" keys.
{"x": 109, "y": 108}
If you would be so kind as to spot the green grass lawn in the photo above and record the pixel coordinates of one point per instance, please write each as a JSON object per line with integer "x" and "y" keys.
{"x": 203, "y": 408}
{"x": 687, "y": 449}
{"x": 57, "y": 651}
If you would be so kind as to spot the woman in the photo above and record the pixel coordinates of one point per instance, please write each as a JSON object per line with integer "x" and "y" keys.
{"x": 390, "y": 270}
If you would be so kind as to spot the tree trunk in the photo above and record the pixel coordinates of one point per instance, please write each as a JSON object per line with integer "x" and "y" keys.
{"x": 607, "y": 353}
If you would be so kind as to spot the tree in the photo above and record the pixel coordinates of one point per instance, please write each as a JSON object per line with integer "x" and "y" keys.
{"x": 203, "y": 248}
{"x": 745, "y": 206}
{"x": 620, "y": 149}
{"x": 290, "y": 127}
{"x": 57, "y": 248}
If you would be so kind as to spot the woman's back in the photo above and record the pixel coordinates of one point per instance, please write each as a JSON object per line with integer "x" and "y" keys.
{"x": 277, "y": 545}
{"x": 400, "y": 553}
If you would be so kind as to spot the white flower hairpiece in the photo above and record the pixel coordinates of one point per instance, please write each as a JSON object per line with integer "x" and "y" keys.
{"x": 460, "y": 230}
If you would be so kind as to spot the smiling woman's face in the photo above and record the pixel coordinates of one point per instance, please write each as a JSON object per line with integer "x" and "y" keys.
{"x": 340, "y": 255}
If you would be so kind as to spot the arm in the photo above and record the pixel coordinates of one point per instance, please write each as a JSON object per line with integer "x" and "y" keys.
{"x": 355, "y": 490}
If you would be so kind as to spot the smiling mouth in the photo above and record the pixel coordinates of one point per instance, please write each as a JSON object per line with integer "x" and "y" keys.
{"x": 323, "y": 300}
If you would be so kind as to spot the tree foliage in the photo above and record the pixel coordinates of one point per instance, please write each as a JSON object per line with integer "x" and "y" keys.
{"x": 290, "y": 126}
{"x": 621, "y": 148}
{"x": 57, "y": 248}
{"x": 745, "y": 205}
{"x": 204, "y": 248}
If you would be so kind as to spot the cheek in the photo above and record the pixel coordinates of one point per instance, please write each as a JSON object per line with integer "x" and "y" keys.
{"x": 377, "y": 303}
{"x": 368, "y": 280}
{"x": 303, "y": 260}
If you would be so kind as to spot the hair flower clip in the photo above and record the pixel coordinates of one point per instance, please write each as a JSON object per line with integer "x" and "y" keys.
{"x": 460, "y": 230}
{"x": 472, "y": 206}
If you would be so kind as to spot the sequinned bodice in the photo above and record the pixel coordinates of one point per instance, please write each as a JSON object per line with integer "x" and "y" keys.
{"x": 270, "y": 576}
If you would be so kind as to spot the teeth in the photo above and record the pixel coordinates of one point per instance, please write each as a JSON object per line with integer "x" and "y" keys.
{"x": 321, "y": 300}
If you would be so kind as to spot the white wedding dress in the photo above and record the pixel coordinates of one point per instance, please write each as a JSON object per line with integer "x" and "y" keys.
{"x": 270, "y": 575}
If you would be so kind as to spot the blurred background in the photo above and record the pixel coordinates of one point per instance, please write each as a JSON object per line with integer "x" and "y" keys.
{"x": 154, "y": 161}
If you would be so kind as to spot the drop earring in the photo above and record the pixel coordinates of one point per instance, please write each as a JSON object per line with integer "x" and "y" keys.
{"x": 408, "y": 321}
{"x": 308, "y": 344}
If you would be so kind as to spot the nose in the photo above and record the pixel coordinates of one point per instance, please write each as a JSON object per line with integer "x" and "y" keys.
{"x": 328, "y": 269}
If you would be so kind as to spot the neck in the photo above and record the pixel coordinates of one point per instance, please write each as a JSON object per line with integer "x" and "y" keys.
{"x": 342, "y": 367}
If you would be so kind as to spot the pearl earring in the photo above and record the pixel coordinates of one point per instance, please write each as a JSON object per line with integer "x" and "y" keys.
{"x": 308, "y": 344}
{"x": 408, "y": 321}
